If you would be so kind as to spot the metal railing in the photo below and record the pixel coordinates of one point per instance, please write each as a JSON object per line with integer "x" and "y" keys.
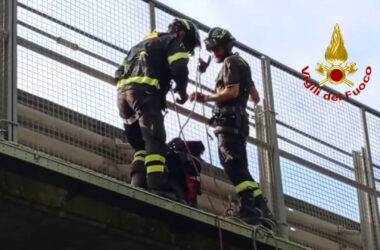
{"x": 317, "y": 158}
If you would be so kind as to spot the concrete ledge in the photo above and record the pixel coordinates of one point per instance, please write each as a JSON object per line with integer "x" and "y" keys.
{"x": 39, "y": 181}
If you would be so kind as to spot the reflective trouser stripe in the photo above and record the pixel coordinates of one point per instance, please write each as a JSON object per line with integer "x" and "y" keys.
{"x": 155, "y": 163}
{"x": 155, "y": 157}
{"x": 155, "y": 168}
{"x": 140, "y": 153}
{"x": 139, "y": 156}
{"x": 245, "y": 185}
{"x": 138, "y": 79}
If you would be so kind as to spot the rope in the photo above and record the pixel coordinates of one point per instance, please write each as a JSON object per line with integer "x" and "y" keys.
{"x": 182, "y": 136}
{"x": 259, "y": 229}
{"x": 191, "y": 112}
{"x": 255, "y": 230}
{"x": 254, "y": 235}
{"x": 208, "y": 137}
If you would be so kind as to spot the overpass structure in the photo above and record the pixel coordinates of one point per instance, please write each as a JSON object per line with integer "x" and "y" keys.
{"x": 64, "y": 159}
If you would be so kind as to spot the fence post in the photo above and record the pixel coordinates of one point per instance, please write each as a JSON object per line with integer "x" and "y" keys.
{"x": 272, "y": 171}
{"x": 8, "y": 61}
{"x": 370, "y": 181}
{"x": 262, "y": 153}
{"x": 152, "y": 16}
{"x": 366, "y": 221}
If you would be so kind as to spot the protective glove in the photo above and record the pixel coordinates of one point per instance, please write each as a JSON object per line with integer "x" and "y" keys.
{"x": 183, "y": 97}
{"x": 202, "y": 65}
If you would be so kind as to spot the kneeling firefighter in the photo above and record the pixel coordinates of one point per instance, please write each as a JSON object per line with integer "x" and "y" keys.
{"x": 143, "y": 82}
{"x": 233, "y": 87}
{"x": 184, "y": 164}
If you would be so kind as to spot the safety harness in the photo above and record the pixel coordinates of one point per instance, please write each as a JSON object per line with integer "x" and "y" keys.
{"x": 230, "y": 113}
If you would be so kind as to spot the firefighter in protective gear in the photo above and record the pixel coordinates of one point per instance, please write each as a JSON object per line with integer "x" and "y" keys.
{"x": 234, "y": 85}
{"x": 184, "y": 163}
{"x": 143, "y": 81}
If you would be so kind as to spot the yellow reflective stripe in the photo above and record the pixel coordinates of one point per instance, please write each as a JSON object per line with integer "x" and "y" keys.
{"x": 139, "y": 79}
{"x": 138, "y": 158}
{"x": 151, "y": 35}
{"x": 246, "y": 184}
{"x": 143, "y": 53}
{"x": 257, "y": 192}
{"x": 155, "y": 157}
{"x": 187, "y": 24}
{"x": 222, "y": 34}
{"x": 177, "y": 56}
{"x": 155, "y": 168}
{"x": 140, "y": 152}
{"x": 118, "y": 84}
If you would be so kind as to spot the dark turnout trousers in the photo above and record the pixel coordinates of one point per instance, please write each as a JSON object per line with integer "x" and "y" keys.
{"x": 232, "y": 131}
{"x": 141, "y": 108}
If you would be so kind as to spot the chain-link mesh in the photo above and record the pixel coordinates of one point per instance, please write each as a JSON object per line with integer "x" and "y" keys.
{"x": 67, "y": 57}
{"x": 331, "y": 130}
{"x": 207, "y": 84}
{"x": 67, "y": 98}
{"x": 68, "y": 52}
{"x": 320, "y": 132}
{"x": 373, "y": 123}
{"x": 319, "y": 190}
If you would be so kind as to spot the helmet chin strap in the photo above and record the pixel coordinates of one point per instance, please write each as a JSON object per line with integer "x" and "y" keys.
{"x": 177, "y": 31}
{"x": 227, "y": 52}
{"x": 228, "y": 48}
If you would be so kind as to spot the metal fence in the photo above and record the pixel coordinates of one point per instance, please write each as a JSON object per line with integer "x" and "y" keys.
{"x": 2, "y": 69}
{"x": 314, "y": 151}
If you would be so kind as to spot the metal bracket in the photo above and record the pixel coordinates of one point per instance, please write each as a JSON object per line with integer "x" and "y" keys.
{"x": 8, "y": 122}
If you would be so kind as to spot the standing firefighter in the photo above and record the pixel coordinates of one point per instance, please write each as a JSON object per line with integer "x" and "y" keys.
{"x": 143, "y": 82}
{"x": 233, "y": 87}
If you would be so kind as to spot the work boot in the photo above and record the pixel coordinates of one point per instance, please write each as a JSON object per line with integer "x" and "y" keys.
{"x": 158, "y": 183}
{"x": 248, "y": 212}
{"x": 268, "y": 220}
{"x": 138, "y": 174}
{"x": 166, "y": 194}
{"x": 138, "y": 180}
{"x": 261, "y": 203}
